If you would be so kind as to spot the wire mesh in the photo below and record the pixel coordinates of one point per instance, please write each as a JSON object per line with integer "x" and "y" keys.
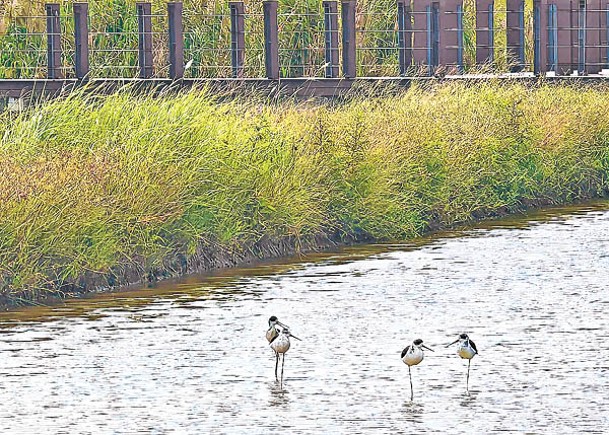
{"x": 377, "y": 40}
{"x": 302, "y": 40}
{"x": 207, "y": 40}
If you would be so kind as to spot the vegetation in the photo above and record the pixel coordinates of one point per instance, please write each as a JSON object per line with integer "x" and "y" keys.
{"x": 113, "y": 27}
{"x": 99, "y": 185}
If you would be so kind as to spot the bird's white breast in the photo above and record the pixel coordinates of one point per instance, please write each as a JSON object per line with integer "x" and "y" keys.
{"x": 413, "y": 357}
{"x": 281, "y": 344}
{"x": 466, "y": 352}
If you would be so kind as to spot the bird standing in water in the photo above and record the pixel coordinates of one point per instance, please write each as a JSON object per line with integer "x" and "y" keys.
{"x": 281, "y": 344}
{"x": 466, "y": 350}
{"x": 411, "y": 356}
{"x": 272, "y": 333}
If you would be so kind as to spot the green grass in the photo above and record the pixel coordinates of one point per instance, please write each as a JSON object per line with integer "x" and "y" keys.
{"x": 93, "y": 184}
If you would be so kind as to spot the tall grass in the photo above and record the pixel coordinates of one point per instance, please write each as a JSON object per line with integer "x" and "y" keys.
{"x": 113, "y": 42}
{"x": 94, "y": 184}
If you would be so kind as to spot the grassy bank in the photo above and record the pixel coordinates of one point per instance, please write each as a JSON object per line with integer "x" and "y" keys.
{"x": 107, "y": 190}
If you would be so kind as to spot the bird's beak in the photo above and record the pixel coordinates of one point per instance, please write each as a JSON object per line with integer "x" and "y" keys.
{"x": 293, "y": 336}
{"x": 427, "y": 348}
{"x": 452, "y": 342}
{"x": 282, "y": 325}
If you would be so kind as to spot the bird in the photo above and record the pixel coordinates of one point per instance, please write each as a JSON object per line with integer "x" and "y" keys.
{"x": 466, "y": 350}
{"x": 281, "y": 344}
{"x": 272, "y": 333}
{"x": 413, "y": 355}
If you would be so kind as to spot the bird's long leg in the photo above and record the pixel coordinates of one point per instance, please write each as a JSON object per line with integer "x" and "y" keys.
{"x": 469, "y": 361}
{"x": 282, "y": 364}
{"x": 411, "y": 390}
{"x": 276, "y": 365}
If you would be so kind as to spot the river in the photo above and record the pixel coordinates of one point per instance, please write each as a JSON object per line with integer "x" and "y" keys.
{"x": 190, "y": 356}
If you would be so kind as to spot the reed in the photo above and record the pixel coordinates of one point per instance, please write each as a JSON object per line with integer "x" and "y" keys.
{"x": 91, "y": 186}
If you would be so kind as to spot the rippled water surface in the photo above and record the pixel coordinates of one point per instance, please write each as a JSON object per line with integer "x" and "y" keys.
{"x": 532, "y": 292}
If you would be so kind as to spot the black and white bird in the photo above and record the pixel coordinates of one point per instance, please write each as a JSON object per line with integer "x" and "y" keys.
{"x": 413, "y": 355}
{"x": 281, "y": 344}
{"x": 466, "y": 350}
{"x": 275, "y": 326}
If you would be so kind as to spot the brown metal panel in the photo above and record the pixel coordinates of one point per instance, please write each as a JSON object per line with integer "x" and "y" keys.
{"x": 53, "y": 41}
{"x": 81, "y": 39}
{"x": 515, "y": 48}
{"x": 483, "y": 32}
{"x": 144, "y": 24}
{"x": 349, "y": 42}
{"x": 176, "y": 40}
{"x": 271, "y": 39}
{"x": 419, "y": 30}
{"x": 237, "y": 37}
{"x": 593, "y": 36}
{"x": 563, "y": 21}
{"x": 332, "y": 52}
{"x": 449, "y": 34}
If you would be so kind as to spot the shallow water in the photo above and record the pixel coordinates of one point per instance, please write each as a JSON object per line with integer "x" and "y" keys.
{"x": 532, "y": 292}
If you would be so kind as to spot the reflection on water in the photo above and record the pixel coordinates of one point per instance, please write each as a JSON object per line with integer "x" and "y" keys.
{"x": 189, "y": 356}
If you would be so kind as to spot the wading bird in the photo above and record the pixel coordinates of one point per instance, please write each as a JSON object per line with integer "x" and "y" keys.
{"x": 413, "y": 355}
{"x": 272, "y": 333}
{"x": 281, "y": 344}
{"x": 466, "y": 350}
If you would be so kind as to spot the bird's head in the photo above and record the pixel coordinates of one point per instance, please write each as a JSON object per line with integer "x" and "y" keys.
{"x": 419, "y": 343}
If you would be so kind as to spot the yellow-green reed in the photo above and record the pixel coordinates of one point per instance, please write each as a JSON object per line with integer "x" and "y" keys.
{"x": 90, "y": 184}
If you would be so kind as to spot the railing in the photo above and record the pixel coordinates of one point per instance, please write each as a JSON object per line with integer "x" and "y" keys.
{"x": 330, "y": 39}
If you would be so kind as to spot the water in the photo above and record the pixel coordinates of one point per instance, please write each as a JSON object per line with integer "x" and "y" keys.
{"x": 532, "y": 293}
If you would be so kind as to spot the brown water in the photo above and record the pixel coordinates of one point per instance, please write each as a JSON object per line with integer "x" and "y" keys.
{"x": 533, "y": 293}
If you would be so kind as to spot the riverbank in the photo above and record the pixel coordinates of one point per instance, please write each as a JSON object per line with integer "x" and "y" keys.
{"x": 98, "y": 192}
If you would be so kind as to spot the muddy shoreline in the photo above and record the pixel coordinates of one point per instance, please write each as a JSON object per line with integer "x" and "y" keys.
{"x": 210, "y": 257}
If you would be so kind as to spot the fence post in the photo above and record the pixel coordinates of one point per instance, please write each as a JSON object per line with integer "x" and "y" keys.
{"x": 81, "y": 40}
{"x": 404, "y": 36}
{"x": 144, "y": 25}
{"x": 593, "y": 37}
{"x": 271, "y": 39}
{"x": 515, "y": 34}
{"x": 176, "y": 40}
{"x": 53, "y": 41}
{"x": 349, "y": 47}
{"x": 237, "y": 37}
{"x": 331, "y": 38}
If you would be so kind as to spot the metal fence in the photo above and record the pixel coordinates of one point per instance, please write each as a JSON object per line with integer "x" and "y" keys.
{"x": 391, "y": 38}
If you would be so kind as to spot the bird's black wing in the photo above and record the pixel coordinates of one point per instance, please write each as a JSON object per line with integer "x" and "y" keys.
{"x": 405, "y": 351}
{"x": 473, "y": 345}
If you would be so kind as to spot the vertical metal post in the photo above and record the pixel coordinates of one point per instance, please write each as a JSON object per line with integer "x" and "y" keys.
{"x": 537, "y": 50}
{"x": 491, "y": 32}
{"x": 606, "y": 42}
{"x": 460, "y": 38}
{"x": 349, "y": 47}
{"x": 237, "y": 37}
{"x": 552, "y": 38}
{"x": 144, "y": 26}
{"x": 515, "y": 34}
{"x": 53, "y": 41}
{"x": 404, "y": 36}
{"x": 434, "y": 42}
{"x": 271, "y": 39}
{"x": 176, "y": 40}
{"x": 81, "y": 39}
{"x": 581, "y": 37}
{"x": 331, "y": 38}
